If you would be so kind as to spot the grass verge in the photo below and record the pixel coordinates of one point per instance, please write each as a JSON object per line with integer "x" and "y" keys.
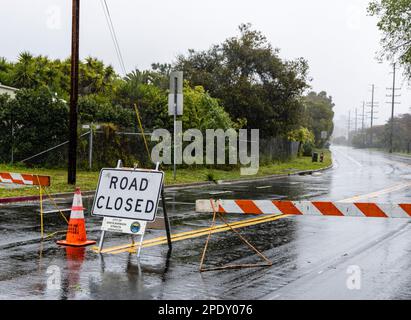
{"x": 87, "y": 180}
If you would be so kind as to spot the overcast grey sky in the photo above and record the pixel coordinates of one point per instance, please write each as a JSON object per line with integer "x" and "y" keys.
{"x": 337, "y": 37}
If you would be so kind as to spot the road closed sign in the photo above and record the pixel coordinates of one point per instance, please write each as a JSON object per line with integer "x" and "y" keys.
{"x": 128, "y": 194}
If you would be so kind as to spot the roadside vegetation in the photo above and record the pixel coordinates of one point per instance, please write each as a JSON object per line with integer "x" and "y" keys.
{"x": 240, "y": 83}
{"x": 87, "y": 180}
{"x": 394, "y": 22}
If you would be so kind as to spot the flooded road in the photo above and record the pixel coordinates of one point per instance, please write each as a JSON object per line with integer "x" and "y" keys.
{"x": 313, "y": 257}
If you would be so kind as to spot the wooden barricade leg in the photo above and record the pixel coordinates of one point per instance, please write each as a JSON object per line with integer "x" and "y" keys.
{"x": 267, "y": 263}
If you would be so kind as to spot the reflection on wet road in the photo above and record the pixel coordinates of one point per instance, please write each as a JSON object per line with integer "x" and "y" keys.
{"x": 310, "y": 255}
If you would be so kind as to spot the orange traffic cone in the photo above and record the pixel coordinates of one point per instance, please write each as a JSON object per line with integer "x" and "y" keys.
{"x": 76, "y": 232}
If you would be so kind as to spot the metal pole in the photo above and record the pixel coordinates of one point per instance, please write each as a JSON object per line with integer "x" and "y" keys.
{"x": 100, "y": 244}
{"x": 166, "y": 220}
{"x": 90, "y": 148}
{"x": 175, "y": 124}
{"x": 372, "y": 114}
{"x": 356, "y": 120}
{"x": 362, "y": 123}
{"x": 103, "y": 233}
{"x": 140, "y": 244}
{"x": 12, "y": 137}
{"x": 72, "y": 150}
{"x": 392, "y": 110}
{"x": 349, "y": 125}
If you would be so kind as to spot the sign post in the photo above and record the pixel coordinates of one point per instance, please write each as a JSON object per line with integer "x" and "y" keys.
{"x": 175, "y": 106}
{"x": 127, "y": 199}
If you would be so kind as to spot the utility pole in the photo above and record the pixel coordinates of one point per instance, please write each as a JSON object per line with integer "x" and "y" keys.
{"x": 90, "y": 148}
{"x": 356, "y": 118}
{"x": 175, "y": 128}
{"x": 12, "y": 136}
{"x": 72, "y": 149}
{"x": 392, "y": 109}
{"x": 372, "y": 105}
{"x": 362, "y": 123}
{"x": 372, "y": 113}
{"x": 349, "y": 125}
{"x": 363, "y": 116}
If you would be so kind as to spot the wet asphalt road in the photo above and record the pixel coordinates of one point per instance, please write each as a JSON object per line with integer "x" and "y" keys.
{"x": 310, "y": 255}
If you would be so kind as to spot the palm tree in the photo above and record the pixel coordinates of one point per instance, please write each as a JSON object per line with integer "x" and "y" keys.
{"x": 5, "y": 68}
{"x": 24, "y": 73}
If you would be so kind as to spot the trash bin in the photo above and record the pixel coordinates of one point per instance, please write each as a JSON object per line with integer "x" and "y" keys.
{"x": 315, "y": 157}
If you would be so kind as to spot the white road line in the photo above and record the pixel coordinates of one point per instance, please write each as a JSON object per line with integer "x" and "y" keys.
{"x": 219, "y": 192}
{"x": 378, "y": 193}
{"x": 349, "y": 158}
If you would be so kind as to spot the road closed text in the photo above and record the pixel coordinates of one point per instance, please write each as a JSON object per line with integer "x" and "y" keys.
{"x": 131, "y": 194}
{"x": 129, "y": 204}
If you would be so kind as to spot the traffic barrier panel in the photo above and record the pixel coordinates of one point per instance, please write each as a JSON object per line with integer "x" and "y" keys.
{"x": 76, "y": 231}
{"x": 25, "y": 179}
{"x": 308, "y": 208}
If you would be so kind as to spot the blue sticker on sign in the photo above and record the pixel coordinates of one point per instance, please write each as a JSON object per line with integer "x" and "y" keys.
{"x": 135, "y": 227}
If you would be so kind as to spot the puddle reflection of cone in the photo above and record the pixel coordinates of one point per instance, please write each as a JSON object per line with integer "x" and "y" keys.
{"x": 74, "y": 258}
{"x": 76, "y": 232}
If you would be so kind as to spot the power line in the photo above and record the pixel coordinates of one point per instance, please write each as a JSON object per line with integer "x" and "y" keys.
{"x": 110, "y": 25}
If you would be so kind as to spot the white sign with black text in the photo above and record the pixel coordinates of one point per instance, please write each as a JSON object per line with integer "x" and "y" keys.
{"x": 134, "y": 227}
{"x": 128, "y": 193}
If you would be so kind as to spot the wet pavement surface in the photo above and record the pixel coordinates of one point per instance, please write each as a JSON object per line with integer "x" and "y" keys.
{"x": 311, "y": 255}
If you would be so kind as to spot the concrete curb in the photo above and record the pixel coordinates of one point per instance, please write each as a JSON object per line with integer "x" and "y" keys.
{"x": 171, "y": 186}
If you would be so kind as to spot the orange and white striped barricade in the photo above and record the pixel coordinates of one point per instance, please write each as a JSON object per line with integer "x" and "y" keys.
{"x": 285, "y": 208}
{"x": 25, "y": 179}
{"x": 307, "y": 208}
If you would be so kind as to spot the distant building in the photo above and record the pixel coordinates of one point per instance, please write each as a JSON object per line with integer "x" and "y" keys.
{"x": 9, "y": 90}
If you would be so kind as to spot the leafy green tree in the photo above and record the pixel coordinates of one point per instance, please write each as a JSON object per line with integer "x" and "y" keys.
{"x": 160, "y": 74}
{"x": 6, "y": 120}
{"x": 5, "y": 69}
{"x": 39, "y": 121}
{"x": 150, "y": 100}
{"x": 95, "y": 77}
{"x": 202, "y": 112}
{"x": 246, "y": 74}
{"x": 401, "y": 134}
{"x": 302, "y": 135}
{"x": 97, "y": 109}
{"x": 319, "y": 115}
{"x": 24, "y": 72}
{"x": 395, "y": 24}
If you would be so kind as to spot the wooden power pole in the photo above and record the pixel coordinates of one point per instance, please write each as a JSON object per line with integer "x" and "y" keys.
{"x": 72, "y": 150}
{"x": 392, "y": 109}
